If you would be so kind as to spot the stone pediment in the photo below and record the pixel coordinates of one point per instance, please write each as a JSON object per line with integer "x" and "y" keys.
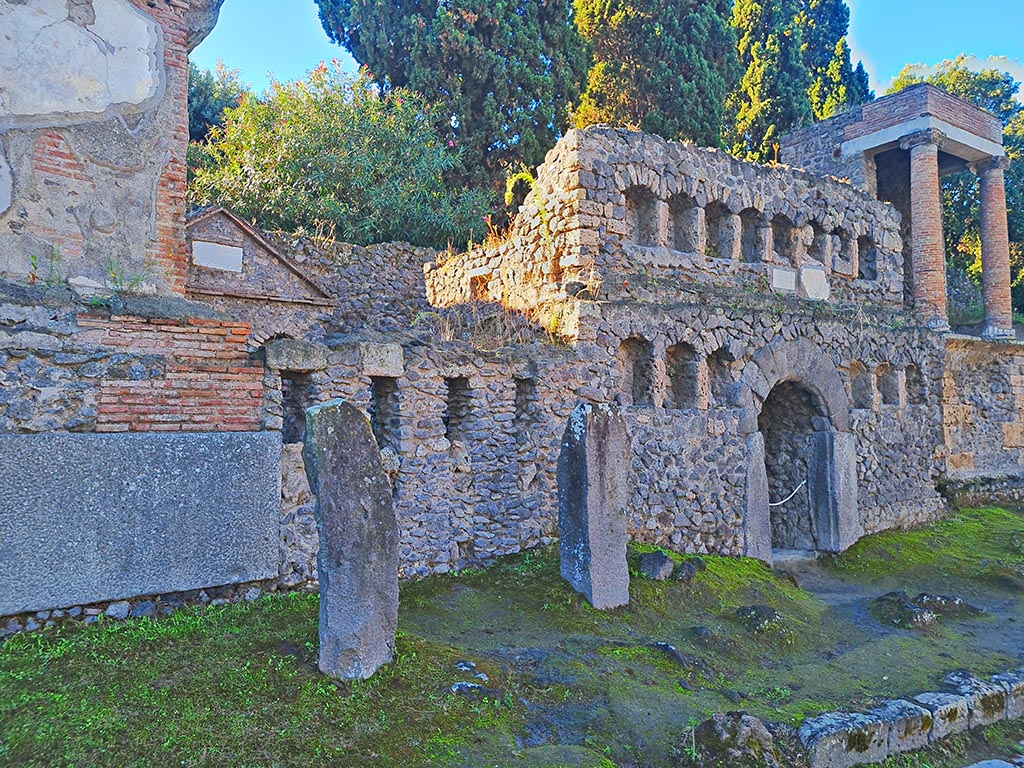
{"x": 228, "y": 257}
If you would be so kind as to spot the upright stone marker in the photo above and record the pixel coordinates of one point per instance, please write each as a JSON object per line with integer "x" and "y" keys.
{"x": 593, "y": 474}
{"x": 358, "y": 555}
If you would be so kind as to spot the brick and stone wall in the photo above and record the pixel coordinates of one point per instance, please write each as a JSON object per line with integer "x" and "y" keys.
{"x": 149, "y": 367}
{"x": 93, "y": 138}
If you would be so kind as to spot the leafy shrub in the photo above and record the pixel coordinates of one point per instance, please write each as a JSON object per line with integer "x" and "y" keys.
{"x": 334, "y": 152}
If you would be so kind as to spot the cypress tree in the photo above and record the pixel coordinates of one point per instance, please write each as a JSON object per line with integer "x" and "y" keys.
{"x": 835, "y": 84}
{"x": 503, "y": 71}
{"x": 772, "y": 98}
{"x": 664, "y": 66}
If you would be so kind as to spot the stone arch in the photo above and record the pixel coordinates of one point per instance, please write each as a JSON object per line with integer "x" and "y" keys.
{"x": 801, "y": 408}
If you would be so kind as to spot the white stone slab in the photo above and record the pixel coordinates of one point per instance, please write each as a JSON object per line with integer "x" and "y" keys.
{"x": 227, "y": 258}
{"x": 6, "y": 183}
{"x": 783, "y": 279}
{"x": 814, "y": 282}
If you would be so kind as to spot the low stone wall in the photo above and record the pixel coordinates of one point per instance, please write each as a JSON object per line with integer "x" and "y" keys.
{"x": 841, "y": 739}
{"x": 86, "y": 518}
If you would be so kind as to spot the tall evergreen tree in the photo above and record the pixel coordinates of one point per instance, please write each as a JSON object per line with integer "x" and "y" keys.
{"x": 772, "y": 98}
{"x": 835, "y": 83}
{"x": 665, "y": 66}
{"x": 504, "y": 71}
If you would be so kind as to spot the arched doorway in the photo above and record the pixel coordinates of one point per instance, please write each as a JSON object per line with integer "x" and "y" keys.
{"x": 801, "y": 485}
{"x": 795, "y": 428}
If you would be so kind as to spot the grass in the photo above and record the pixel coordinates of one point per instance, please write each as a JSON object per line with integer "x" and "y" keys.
{"x": 237, "y": 685}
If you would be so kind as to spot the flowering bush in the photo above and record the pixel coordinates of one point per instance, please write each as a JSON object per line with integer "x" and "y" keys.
{"x": 335, "y": 152}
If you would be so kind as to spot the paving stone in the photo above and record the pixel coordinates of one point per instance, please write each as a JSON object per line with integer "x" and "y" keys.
{"x": 841, "y": 739}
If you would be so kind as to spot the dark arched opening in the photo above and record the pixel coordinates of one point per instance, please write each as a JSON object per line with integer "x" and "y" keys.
{"x": 797, "y": 455}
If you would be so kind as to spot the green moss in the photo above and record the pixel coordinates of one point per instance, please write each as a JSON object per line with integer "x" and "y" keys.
{"x": 238, "y": 685}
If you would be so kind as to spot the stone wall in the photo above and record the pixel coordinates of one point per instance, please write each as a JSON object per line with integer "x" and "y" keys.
{"x": 93, "y": 136}
{"x": 983, "y": 402}
{"x": 611, "y": 206}
{"x": 150, "y": 367}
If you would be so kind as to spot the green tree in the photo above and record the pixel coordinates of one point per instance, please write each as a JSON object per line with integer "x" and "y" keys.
{"x": 665, "y": 66}
{"x": 996, "y": 92}
{"x": 334, "y": 152}
{"x": 504, "y": 71}
{"x": 209, "y": 94}
{"x": 835, "y": 83}
{"x": 772, "y": 98}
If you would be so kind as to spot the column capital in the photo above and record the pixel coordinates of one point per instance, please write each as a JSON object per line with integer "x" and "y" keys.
{"x": 931, "y": 136}
{"x": 994, "y": 163}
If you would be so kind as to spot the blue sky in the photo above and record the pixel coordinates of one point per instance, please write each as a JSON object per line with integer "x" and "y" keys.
{"x": 258, "y": 38}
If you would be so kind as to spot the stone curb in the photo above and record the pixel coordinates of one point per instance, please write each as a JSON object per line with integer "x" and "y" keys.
{"x": 844, "y": 739}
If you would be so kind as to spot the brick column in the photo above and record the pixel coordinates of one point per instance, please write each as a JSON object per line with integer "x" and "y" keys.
{"x": 929, "y": 252}
{"x": 995, "y": 249}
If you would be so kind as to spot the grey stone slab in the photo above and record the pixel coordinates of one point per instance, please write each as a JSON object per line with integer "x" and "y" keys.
{"x": 294, "y": 355}
{"x": 910, "y": 726}
{"x": 1013, "y": 684}
{"x": 986, "y": 702}
{"x": 357, "y": 560}
{"x": 593, "y": 493}
{"x": 86, "y": 518}
{"x": 6, "y": 182}
{"x": 844, "y": 739}
{"x": 757, "y": 527}
{"x": 991, "y": 764}
{"x": 950, "y": 713}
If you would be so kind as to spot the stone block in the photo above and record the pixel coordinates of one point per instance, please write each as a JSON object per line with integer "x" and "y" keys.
{"x": 814, "y": 282}
{"x": 6, "y": 183}
{"x": 382, "y": 360}
{"x": 656, "y": 565}
{"x": 294, "y": 355}
{"x": 956, "y": 462}
{"x": 950, "y": 713}
{"x": 910, "y": 725}
{"x": 226, "y": 258}
{"x": 783, "y": 279}
{"x": 1013, "y": 684}
{"x": 357, "y": 559}
{"x": 1013, "y": 434}
{"x": 593, "y": 494}
{"x": 86, "y": 518}
{"x": 986, "y": 702}
{"x": 757, "y": 530}
{"x": 841, "y": 739}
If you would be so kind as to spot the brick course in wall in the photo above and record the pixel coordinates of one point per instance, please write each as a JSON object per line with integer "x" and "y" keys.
{"x": 210, "y": 382}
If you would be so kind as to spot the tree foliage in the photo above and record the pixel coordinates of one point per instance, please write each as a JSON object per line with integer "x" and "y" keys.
{"x": 835, "y": 83}
{"x": 503, "y": 71}
{"x": 996, "y": 92}
{"x": 209, "y": 94}
{"x": 664, "y": 66}
{"x": 334, "y": 152}
{"x": 772, "y": 98}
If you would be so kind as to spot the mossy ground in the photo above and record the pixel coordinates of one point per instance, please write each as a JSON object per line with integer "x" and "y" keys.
{"x": 237, "y": 685}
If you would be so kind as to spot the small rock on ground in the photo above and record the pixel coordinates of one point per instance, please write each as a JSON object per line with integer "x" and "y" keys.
{"x": 656, "y": 565}
{"x": 119, "y": 610}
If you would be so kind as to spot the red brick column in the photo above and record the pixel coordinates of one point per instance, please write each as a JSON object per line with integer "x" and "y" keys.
{"x": 995, "y": 249}
{"x": 929, "y": 251}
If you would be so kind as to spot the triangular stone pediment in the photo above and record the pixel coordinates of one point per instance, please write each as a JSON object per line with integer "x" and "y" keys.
{"x": 228, "y": 257}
